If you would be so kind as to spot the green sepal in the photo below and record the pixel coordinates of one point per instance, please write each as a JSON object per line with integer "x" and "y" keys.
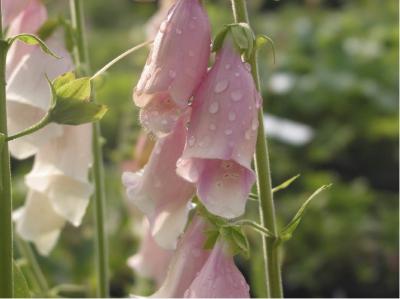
{"x": 31, "y": 39}
{"x": 219, "y": 39}
{"x": 21, "y": 289}
{"x": 236, "y": 238}
{"x": 287, "y": 231}
{"x": 48, "y": 28}
{"x": 211, "y": 238}
{"x": 262, "y": 40}
{"x": 71, "y": 103}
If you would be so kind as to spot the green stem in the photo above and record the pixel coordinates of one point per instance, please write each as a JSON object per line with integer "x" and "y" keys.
{"x": 6, "y": 243}
{"x": 267, "y": 208}
{"x": 82, "y": 60}
{"x": 42, "y": 123}
{"x": 26, "y": 251}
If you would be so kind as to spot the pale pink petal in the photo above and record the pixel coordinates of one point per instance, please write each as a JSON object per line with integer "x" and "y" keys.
{"x": 29, "y": 96}
{"x": 37, "y": 221}
{"x": 219, "y": 278}
{"x": 187, "y": 261}
{"x": 222, "y": 135}
{"x": 151, "y": 260}
{"x": 10, "y": 9}
{"x": 28, "y": 21}
{"x": 61, "y": 172}
{"x": 159, "y": 192}
{"x": 179, "y": 57}
{"x": 153, "y": 25}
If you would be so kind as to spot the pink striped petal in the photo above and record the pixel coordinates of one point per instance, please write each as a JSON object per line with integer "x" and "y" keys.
{"x": 219, "y": 278}
{"x": 222, "y": 135}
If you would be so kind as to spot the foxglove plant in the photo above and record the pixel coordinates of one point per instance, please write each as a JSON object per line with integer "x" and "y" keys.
{"x": 153, "y": 25}
{"x": 175, "y": 66}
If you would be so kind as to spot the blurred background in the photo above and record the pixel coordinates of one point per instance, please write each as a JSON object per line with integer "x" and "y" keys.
{"x": 332, "y": 100}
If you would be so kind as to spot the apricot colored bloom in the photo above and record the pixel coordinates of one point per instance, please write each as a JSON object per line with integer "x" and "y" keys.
{"x": 222, "y": 135}
{"x": 159, "y": 192}
{"x": 175, "y": 66}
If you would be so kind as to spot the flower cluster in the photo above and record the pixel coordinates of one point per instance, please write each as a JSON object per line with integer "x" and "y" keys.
{"x": 206, "y": 124}
{"x": 58, "y": 189}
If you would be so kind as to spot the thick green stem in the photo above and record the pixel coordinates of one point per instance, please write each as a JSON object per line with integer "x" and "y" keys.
{"x": 26, "y": 251}
{"x": 82, "y": 60}
{"x": 6, "y": 248}
{"x": 267, "y": 208}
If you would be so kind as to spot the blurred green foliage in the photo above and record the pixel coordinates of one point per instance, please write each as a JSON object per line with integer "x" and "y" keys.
{"x": 342, "y": 61}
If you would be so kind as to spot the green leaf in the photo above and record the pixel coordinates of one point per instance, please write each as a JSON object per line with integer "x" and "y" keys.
{"x": 21, "y": 289}
{"x": 287, "y": 232}
{"x": 71, "y": 103}
{"x": 285, "y": 184}
{"x": 31, "y": 39}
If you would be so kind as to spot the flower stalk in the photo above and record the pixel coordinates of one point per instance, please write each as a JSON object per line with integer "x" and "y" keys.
{"x": 6, "y": 248}
{"x": 82, "y": 60}
{"x": 264, "y": 186}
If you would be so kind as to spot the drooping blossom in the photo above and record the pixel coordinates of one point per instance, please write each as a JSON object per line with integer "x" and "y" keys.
{"x": 10, "y": 10}
{"x": 187, "y": 261}
{"x": 159, "y": 192}
{"x": 151, "y": 261}
{"x": 222, "y": 135}
{"x": 59, "y": 190}
{"x": 175, "y": 66}
{"x": 153, "y": 25}
{"x": 29, "y": 20}
{"x": 219, "y": 277}
{"x": 29, "y": 96}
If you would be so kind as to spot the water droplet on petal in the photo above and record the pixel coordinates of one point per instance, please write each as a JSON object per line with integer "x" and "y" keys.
{"x": 247, "y": 135}
{"x": 213, "y": 108}
{"x": 236, "y": 95}
{"x": 192, "y": 140}
{"x": 221, "y": 86}
{"x": 237, "y": 74}
{"x": 254, "y": 124}
{"x": 172, "y": 74}
{"x": 228, "y": 132}
{"x": 227, "y": 66}
{"x": 247, "y": 66}
{"x": 191, "y": 53}
{"x": 212, "y": 127}
{"x": 163, "y": 27}
{"x": 232, "y": 116}
{"x": 192, "y": 25}
{"x": 178, "y": 31}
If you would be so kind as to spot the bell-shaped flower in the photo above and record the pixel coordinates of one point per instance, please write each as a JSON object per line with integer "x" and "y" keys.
{"x": 175, "y": 66}
{"x": 187, "y": 261}
{"x": 159, "y": 192}
{"x": 31, "y": 18}
{"x": 222, "y": 134}
{"x": 151, "y": 261}
{"x": 10, "y": 10}
{"x": 61, "y": 172}
{"x": 29, "y": 96}
{"x": 37, "y": 222}
{"x": 153, "y": 25}
{"x": 219, "y": 277}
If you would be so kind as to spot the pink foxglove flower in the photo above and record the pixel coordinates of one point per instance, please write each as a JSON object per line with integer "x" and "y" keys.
{"x": 175, "y": 67}
{"x": 153, "y": 25}
{"x": 222, "y": 135}
{"x": 10, "y": 9}
{"x": 29, "y": 96}
{"x": 219, "y": 277}
{"x": 187, "y": 261}
{"x": 28, "y": 21}
{"x": 37, "y": 222}
{"x": 161, "y": 194}
{"x": 151, "y": 260}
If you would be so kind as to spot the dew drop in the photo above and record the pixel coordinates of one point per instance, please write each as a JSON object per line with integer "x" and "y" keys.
{"x": 163, "y": 27}
{"x": 172, "y": 74}
{"x": 254, "y": 124}
{"x": 232, "y": 116}
{"x": 247, "y": 66}
{"x": 237, "y": 74}
{"x": 228, "y": 132}
{"x": 213, "y": 108}
{"x": 221, "y": 86}
{"x": 191, "y": 53}
{"x": 178, "y": 31}
{"x": 212, "y": 127}
{"x": 236, "y": 95}
{"x": 247, "y": 135}
{"x": 192, "y": 140}
{"x": 227, "y": 66}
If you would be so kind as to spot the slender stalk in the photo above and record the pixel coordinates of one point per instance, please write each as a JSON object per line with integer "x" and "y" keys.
{"x": 26, "y": 251}
{"x": 6, "y": 243}
{"x": 267, "y": 208}
{"x": 42, "y": 123}
{"x": 82, "y": 60}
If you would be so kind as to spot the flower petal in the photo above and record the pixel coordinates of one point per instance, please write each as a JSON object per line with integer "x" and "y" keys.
{"x": 219, "y": 278}
{"x": 10, "y": 9}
